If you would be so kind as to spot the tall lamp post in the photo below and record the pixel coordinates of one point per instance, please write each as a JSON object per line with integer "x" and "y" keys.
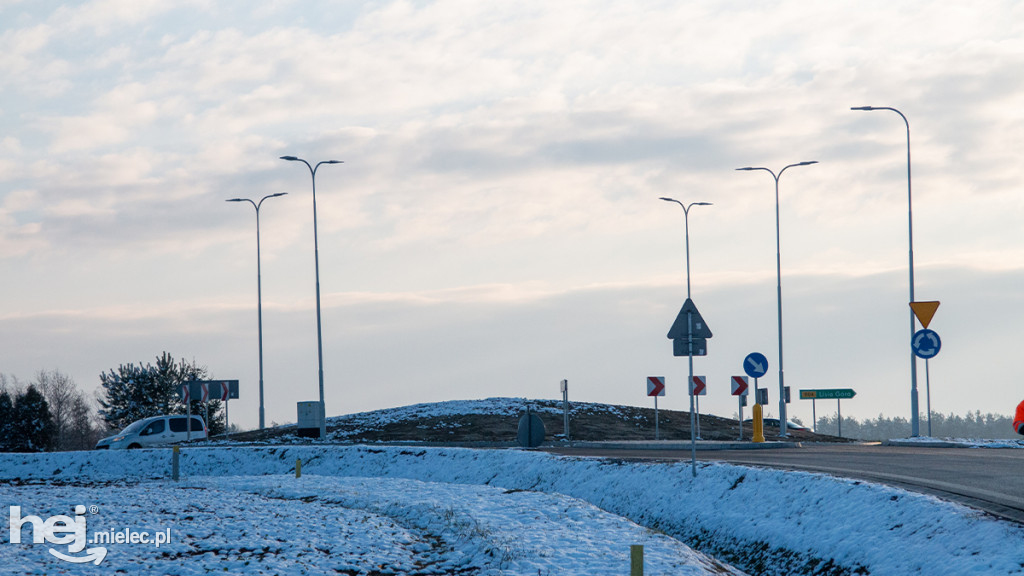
{"x": 778, "y": 272}
{"x": 259, "y": 289}
{"x": 915, "y": 424}
{"x": 693, "y": 419}
{"x": 316, "y": 260}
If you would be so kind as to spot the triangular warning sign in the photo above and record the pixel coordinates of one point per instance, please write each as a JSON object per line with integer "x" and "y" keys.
{"x": 680, "y": 328}
{"x": 924, "y": 311}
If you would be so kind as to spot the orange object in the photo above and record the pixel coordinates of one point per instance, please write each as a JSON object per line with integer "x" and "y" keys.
{"x": 1018, "y": 420}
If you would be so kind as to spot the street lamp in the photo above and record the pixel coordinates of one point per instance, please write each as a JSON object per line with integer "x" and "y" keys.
{"x": 259, "y": 289}
{"x": 778, "y": 271}
{"x": 915, "y": 424}
{"x": 316, "y": 261}
{"x": 693, "y": 419}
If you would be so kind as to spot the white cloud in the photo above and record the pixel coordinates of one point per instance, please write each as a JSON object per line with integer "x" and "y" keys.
{"x": 502, "y": 155}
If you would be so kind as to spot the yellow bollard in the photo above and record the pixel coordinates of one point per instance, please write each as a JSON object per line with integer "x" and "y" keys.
{"x": 758, "y": 424}
{"x": 636, "y": 560}
{"x": 298, "y": 467}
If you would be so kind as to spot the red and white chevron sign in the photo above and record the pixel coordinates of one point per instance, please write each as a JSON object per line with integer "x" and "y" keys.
{"x": 655, "y": 385}
{"x": 740, "y": 386}
{"x": 699, "y": 386}
{"x": 184, "y": 394}
{"x": 225, "y": 391}
{"x": 206, "y": 391}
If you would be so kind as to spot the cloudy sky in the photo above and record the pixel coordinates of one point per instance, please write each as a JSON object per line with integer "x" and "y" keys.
{"x": 495, "y": 226}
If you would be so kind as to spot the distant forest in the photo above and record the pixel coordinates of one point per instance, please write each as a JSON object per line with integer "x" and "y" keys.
{"x": 972, "y": 425}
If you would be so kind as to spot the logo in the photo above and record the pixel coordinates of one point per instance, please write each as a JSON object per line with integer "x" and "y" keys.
{"x": 61, "y": 530}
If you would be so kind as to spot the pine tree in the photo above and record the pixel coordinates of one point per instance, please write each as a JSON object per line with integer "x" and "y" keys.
{"x": 126, "y": 396}
{"x": 135, "y": 392}
{"x": 33, "y": 427}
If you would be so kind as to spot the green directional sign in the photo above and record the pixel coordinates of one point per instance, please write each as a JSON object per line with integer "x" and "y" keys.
{"x": 828, "y": 394}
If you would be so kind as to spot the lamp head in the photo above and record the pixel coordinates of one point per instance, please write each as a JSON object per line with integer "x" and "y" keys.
{"x": 277, "y": 194}
{"x": 702, "y": 204}
{"x": 236, "y": 200}
{"x": 668, "y": 199}
{"x": 807, "y": 163}
{"x": 747, "y": 168}
{"x": 332, "y": 162}
{"x": 863, "y": 108}
{"x": 289, "y": 158}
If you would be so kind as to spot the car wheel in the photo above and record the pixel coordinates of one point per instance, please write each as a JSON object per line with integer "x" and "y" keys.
{"x": 134, "y": 446}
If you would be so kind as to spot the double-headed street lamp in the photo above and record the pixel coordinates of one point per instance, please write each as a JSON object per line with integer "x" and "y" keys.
{"x": 694, "y": 422}
{"x": 259, "y": 289}
{"x": 686, "y": 223}
{"x": 778, "y": 269}
{"x": 316, "y": 260}
{"x": 914, "y": 417}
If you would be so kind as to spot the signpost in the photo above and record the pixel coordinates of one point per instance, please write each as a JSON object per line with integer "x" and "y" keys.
{"x": 837, "y": 394}
{"x": 656, "y": 387}
{"x": 756, "y": 366}
{"x": 689, "y": 334}
{"x": 204, "y": 390}
{"x": 924, "y": 311}
{"x": 740, "y": 388}
{"x": 699, "y": 386}
{"x": 926, "y": 344}
{"x": 762, "y": 396}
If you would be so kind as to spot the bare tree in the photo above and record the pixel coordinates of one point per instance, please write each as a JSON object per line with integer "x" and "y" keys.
{"x": 11, "y": 384}
{"x": 70, "y": 409}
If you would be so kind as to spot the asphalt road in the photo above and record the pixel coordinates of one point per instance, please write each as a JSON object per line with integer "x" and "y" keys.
{"x": 988, "y": 479}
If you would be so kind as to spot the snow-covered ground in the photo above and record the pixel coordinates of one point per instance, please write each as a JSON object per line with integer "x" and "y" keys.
{"x": 337, "y": 525}
{"x": 958, "y": 442}
{"x": 392, "y": 510}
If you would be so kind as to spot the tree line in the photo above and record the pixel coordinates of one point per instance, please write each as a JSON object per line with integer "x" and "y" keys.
{"x": 972, "y": 425}
{"x": 51, "y": 413}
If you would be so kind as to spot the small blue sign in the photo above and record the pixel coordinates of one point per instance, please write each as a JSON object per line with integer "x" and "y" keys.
{"x": 755, "y": 365}
{"x": 926, "y": 343}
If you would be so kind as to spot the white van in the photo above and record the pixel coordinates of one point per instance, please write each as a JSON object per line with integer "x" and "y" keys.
{"x": 155, "y": 431}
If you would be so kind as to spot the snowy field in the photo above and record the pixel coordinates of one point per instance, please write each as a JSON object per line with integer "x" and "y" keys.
{"x": 432, "y": 511}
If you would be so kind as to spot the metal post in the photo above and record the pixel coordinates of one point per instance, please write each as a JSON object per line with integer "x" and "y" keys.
{"x": 316, "y": 262}
{"x": 656, "y": 434}
{"x": 693, "y": 438}
{"x": 814, "y": 414}
{"x": 565, "y": 405}
{"x": 697, "y": 401}
{"x": 778, "y": 268}
{"x": 915, "y": 424}
{"x": 694, "y": 430}
{"x": 188, "y": 411}
{"x": 839, "y": 407}
{"x": 741, "y": 416}
{"x": 259, "y": 295}
{"x": 928, "y": 394}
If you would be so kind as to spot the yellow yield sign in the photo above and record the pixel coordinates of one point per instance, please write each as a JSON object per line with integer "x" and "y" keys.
{"x": 924, "y": 311}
